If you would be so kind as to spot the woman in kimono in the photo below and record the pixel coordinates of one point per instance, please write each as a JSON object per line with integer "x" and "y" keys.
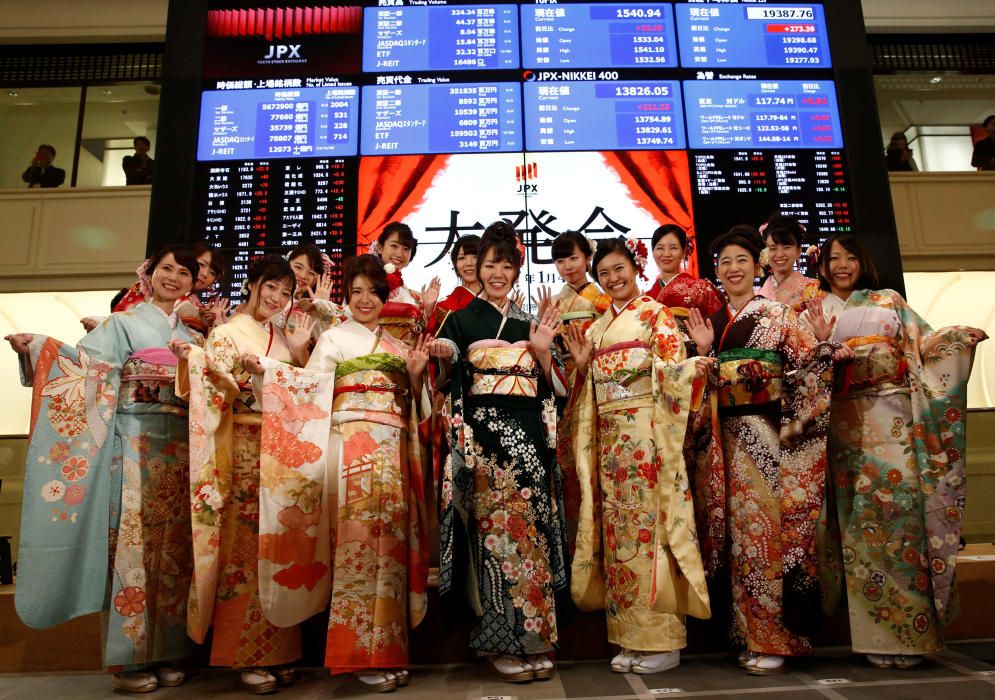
{"x": 375, "y": 501}
{"x": 106, "y": 483}
{"x": 896, "y": 457}
{"x": 675, "y": 288}
{"x": 225, "y": 426}
{"x": 502, "y": 538}
{"x": 406, "y": 313}
{"x": 783, "y": 239}
{"x": 631, "y": 417}
{"x": 772, "y": 404}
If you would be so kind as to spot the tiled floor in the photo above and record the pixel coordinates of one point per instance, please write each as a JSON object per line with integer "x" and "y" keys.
{"x": 966, "y": 671}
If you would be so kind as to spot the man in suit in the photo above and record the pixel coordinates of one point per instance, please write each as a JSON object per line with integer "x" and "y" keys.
{"x": 41, "y": 172}
{"x": 138, "y": 168}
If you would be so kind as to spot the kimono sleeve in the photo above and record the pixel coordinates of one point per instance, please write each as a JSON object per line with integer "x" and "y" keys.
{"x": 69, "y": 480}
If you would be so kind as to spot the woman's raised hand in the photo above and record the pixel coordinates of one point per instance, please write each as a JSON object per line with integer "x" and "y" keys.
{"x": 541, "y": 334}
{"x": 700, "y": 331}
{"x": 579, "y": 346}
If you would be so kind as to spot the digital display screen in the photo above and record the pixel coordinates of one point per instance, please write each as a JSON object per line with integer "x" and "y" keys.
{"x": 278, "y": 123}
{"x": 323, "y": 123}
{"x": 440, "y": 38}
{"x": 753, "y": 36}
{"x": 590, "y": 35}
{"x": 453, "y": 118}
{"x": 762, "y": 114}
{"x": 591, "y": 116}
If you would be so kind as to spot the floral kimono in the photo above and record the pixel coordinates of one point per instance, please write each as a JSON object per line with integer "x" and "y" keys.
{"x": 105, "y": 488}
{"x": 502, "y": 538}
{"x": 637, "y": 552}
{"x": 403, "y": 315}
{"x": 896, "y": 450}
{"x": 375, "y": 498}
{"x": 773, "y": 400}
{"x": 795, "y": 291}
{"x": 582, "y": 307}
{"x": 225, "y": 427}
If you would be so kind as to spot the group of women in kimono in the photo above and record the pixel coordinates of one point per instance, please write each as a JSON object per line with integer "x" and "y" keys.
{"x": 192, "y": 470}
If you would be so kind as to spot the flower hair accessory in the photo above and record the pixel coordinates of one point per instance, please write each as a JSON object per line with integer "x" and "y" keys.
{"x": 394, "y": 279}
{"x": 144, "y": 278}
{"x": 520, "y": 247}
{"x": 639, "y": 254}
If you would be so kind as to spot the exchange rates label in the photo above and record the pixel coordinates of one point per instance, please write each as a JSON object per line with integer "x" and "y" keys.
{"x": 440, "y": 38}
{"x": 289, "y": 123}
{"x": 603, "y": 116}
{"x": 634, "y": 35}
{"x": 754, "y": 36}
{"x": 449, "y": 118}
{"x": 769, "y": 114}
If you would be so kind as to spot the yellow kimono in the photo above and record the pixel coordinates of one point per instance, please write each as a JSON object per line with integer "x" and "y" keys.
{"x": 631, "y": 416}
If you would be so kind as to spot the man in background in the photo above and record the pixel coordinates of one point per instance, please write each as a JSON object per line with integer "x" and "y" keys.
{"x": 41, "y": 172}
{"x": 138, "y": 168}
{"x": 983, "y": 157}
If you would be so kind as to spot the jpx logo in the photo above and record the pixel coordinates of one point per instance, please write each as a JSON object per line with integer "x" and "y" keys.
{"x": 279, "y": 52}
{"x": 527, "y": 177}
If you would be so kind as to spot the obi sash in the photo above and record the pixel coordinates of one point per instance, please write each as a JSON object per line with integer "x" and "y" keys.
{"x": 148, "y": 377}
{"x": 373, "y": 383}
{"x": 879, "y": 364}
{"x": 750, "y": 382}
{"x": 503, "y": 370}
{"x": 622, "y": 375}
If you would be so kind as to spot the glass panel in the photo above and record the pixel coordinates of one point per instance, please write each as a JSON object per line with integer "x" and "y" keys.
{"x": 115, "y": 115}
{"x": 33, "y": 116}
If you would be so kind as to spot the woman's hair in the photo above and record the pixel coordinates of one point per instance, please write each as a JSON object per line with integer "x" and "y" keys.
{"x": 468, "y": 245}
{"x": 313, "y": 254}
{"x": 868, "y": 278}
{"x": 564, "y": 244}
{"x": 500, "y": 237}
{"x": 404, "y": 236}
{"x": 783, "y": 230}
{"x": 270, "y": 267}
{"x": 182, "y": 256}
{"x": 743, "y": 235}
{"x": 681, "y": 234}
{"x": 370, "y": 267}
{"x": 607, "y": 246}
{"x": 217, "y": 263}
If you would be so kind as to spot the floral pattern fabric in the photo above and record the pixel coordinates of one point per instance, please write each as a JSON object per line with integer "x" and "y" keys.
{"x": 637, "y": 552}
{"x": 774, "y": 458}
{"x": 897, "y": 462}
{"x": 225, "y": 453}
{"x": 104, "y": 488}
{"x": 503, "y": 546}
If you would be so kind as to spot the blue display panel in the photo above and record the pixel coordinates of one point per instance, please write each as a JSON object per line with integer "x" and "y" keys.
{"x": 280, "y": 123}
{"x": 753, "y": 36}
{"x": 440, "y": 38}
{"x": 603, "y": 116}
{"x": 763, "y": 114}
{"x": 623, "y": 35}
{"x": 448, "y": 118}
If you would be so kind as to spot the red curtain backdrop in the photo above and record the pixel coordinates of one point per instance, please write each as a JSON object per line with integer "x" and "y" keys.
{"x": 660, "y": 181}
{"x": 390, "y": 188}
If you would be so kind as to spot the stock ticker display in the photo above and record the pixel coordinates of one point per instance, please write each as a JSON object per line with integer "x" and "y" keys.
{"x": 295, "y": 99}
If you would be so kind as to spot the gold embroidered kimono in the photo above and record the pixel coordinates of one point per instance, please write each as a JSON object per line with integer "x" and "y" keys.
{"x": 637, "y": 550}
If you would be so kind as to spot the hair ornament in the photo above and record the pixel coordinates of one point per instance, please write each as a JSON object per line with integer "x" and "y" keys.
{"x": 639, "y": 254}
